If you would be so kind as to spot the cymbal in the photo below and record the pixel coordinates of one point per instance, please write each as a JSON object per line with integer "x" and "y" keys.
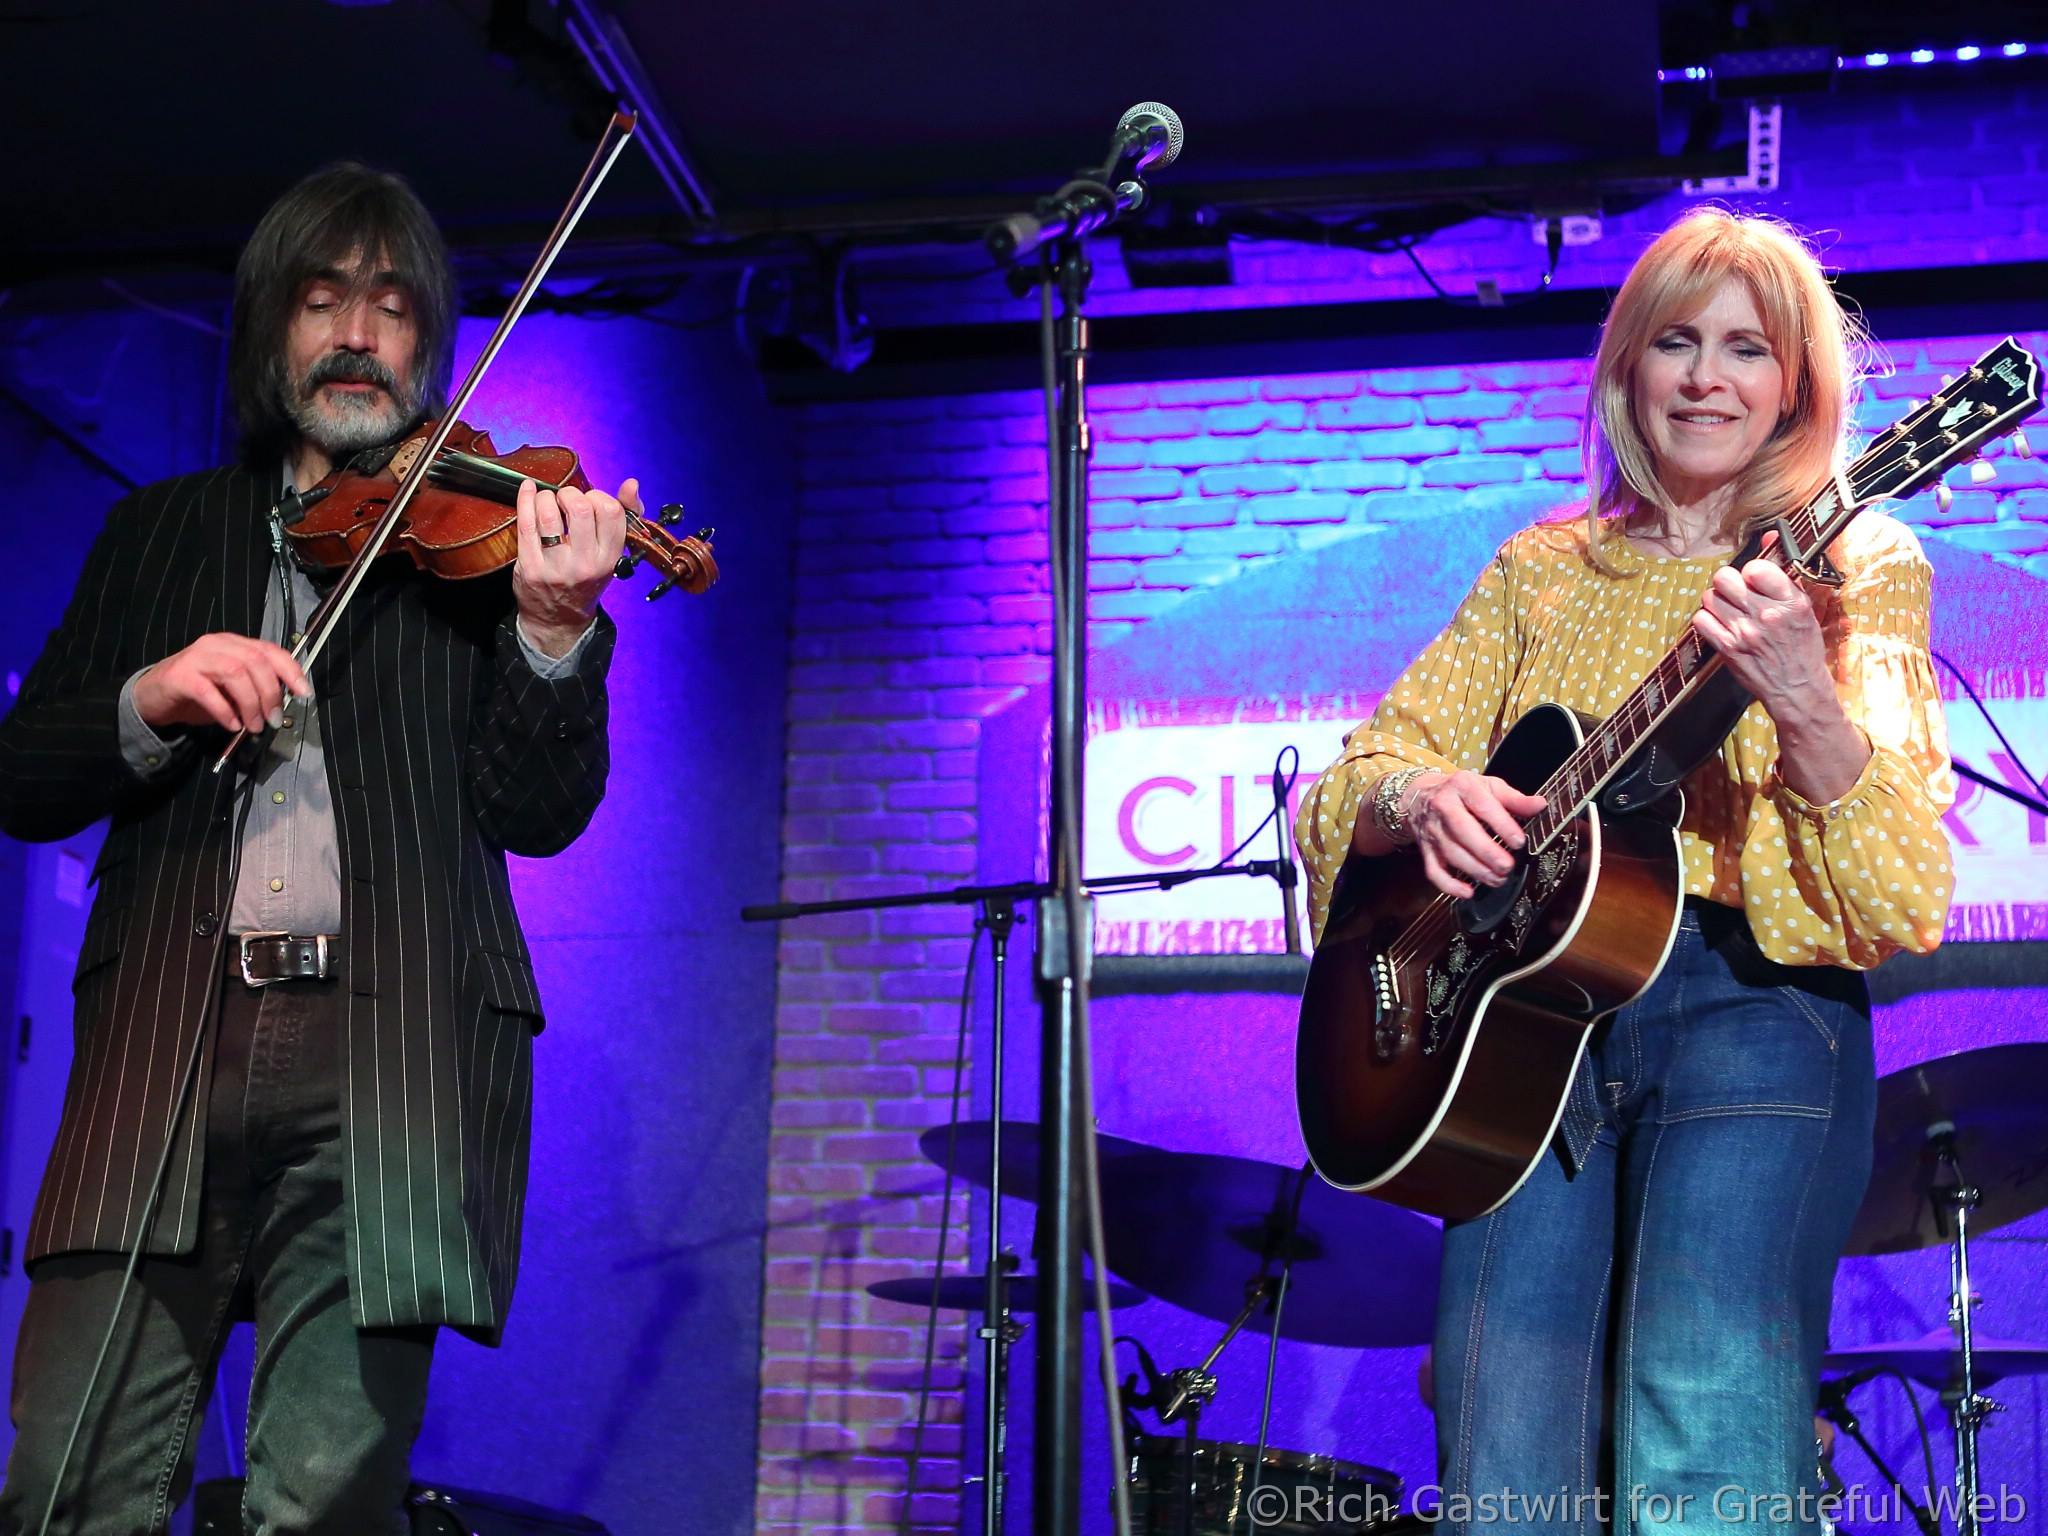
{"x": 1996, "y": 1098}
{"x": 970, "y": 1158}
{"x": 1934, "y": 1360}
{"x": 969, "y": 1293}
{"x": 1190, "y": 1227}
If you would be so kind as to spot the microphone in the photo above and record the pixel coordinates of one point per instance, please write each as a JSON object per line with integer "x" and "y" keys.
{"x": 1283, "y": 867}
{"x": 1148, "y": 136}
{"x": 1834, "y": 1394}
{"x": 292, "y": 507}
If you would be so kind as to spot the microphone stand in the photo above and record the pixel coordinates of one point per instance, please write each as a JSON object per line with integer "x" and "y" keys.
{"x": 999, "y": 908}
{"x": 1067, "y": 1149}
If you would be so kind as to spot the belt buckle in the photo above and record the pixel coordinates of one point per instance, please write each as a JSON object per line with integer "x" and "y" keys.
{"x": 254, "y": 938}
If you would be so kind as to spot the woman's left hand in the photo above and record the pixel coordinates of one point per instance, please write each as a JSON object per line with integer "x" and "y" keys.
{"x": 1764, "y": 626}
{"x": 1768, "y": 635}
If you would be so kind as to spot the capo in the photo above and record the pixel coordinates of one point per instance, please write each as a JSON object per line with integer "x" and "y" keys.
{"x": 1812, "y": 565}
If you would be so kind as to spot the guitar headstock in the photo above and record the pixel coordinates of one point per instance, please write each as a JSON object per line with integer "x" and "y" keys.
{"x": 684, "y": 560}
{"x": 2000, "y": 390}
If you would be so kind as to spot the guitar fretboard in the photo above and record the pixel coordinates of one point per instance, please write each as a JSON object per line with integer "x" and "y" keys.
{"x": 1580, "y": 777}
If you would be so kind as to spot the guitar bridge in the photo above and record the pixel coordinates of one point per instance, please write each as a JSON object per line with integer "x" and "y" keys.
{"x": 1387, "y": 1034}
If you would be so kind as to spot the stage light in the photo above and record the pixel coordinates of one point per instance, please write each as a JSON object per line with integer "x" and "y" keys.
{"x": 1922, "y": 55}
{"x": 2015, "y": 50}
{"x": 1967, "y": 52}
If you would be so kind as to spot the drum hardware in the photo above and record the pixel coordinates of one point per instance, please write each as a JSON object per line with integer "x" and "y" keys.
{"x": 969, "y": 1293}
{"x": 1210, "y": 1488}
{"x": 1983, "y": 1107}
{"x": 1274, "y": 1502}
{"x": 1835, "y": 1409}
{"x": 1189, "y": 1226}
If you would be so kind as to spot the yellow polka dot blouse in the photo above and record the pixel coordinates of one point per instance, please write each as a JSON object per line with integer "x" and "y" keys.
{"x": 1847, "y": 883}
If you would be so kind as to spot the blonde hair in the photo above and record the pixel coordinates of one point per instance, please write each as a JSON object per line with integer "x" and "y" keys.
{"x": 1819, "y": 347}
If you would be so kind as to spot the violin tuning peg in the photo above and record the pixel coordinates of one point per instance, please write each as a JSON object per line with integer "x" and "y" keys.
{"x": 624, "y": 567}
{"x": 671, "y": 515}
{"x": 2021, "y": 446}
{"x": 1944, "y": 498}
{"x": 1983, "y": 472}
{"x": 660, "y": 589}
{"x": 704, "y": 534}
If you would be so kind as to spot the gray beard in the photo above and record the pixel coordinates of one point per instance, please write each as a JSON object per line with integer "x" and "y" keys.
{"x": 348, "y": 424}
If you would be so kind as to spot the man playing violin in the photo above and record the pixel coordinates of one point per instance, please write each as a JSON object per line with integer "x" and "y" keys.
{"x": 326, "y": 934}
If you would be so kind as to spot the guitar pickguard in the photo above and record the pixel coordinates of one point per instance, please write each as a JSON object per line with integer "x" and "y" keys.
{"x": 1468, "y": 957}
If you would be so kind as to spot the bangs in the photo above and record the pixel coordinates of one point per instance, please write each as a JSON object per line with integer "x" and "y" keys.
{"x": 1685, "y": 286}
{"x": 361, "y": 238}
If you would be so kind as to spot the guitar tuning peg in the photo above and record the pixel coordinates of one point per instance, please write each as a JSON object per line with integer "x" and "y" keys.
{"x": 1983, "y": 472}
{"x": 1944, "y": 498}
{"x": 671, "y": 515}
{"x": 2021, "y": 446}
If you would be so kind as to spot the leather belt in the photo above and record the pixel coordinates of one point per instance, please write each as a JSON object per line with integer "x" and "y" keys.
{"x": 261, "y": 958}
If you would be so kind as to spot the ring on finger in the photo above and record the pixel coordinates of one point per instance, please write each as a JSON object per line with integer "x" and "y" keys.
{"x": 550, "y": 540}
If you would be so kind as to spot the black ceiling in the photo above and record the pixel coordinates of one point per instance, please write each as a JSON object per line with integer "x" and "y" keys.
{"x": 818, "y": 101}
{"x": 143, "y": 133}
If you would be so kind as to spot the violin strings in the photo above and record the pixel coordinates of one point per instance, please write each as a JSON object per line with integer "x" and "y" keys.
{"x": 453, "y": 467}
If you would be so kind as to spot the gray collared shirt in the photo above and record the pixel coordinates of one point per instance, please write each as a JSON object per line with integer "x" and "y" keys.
{"x": 290, "y": 876}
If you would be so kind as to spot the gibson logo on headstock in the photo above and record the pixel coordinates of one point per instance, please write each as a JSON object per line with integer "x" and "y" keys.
{"x": 2007, "y": 371}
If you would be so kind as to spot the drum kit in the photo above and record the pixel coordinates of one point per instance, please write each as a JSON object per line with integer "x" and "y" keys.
{"x": 1961, "y": 1148}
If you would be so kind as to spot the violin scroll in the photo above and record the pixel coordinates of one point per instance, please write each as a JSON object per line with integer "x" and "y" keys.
{"x": 685, "y": 561}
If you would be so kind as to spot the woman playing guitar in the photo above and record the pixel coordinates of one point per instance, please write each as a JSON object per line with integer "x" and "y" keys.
{"x": 1631, "y": 1340}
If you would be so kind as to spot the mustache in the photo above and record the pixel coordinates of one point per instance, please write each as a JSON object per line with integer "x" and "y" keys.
{"x": 348, "y": 368}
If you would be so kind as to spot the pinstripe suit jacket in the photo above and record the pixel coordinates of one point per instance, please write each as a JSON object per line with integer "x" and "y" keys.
{"x": 445, "y": 751}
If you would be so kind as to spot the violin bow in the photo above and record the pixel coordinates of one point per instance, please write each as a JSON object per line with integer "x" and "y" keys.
{"x": 328, "y": 615}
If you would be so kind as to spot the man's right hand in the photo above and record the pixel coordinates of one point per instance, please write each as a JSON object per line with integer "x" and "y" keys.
{"x": 230, "y": 681}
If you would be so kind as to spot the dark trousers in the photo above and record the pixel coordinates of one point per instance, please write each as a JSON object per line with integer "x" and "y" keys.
{"x": 333, "y": 1410}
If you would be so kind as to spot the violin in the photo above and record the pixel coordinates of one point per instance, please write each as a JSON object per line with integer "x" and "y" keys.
{"x": 462, "y": 523}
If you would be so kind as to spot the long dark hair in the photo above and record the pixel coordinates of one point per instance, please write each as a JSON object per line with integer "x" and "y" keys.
{"x": 317, "y": 225}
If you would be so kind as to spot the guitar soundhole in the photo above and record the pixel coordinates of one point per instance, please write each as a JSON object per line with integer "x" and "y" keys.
{"x": 1491, "y": 905}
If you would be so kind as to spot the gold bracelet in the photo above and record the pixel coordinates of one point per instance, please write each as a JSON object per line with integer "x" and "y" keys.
{"x": 1387, "y": 810}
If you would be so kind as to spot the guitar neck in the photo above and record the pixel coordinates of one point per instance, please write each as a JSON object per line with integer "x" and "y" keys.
{"x": 1662, "y": 696}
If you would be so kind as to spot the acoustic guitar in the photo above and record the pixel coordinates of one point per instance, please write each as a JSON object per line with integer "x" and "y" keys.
{"x": 1439, "y": 1038}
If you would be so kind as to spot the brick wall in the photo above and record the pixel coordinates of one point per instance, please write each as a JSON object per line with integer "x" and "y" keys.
{"x": 922, "y": 606}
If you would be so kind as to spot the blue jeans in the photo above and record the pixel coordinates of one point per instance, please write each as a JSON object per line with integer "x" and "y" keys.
{"x": 1636, "y": 1348}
